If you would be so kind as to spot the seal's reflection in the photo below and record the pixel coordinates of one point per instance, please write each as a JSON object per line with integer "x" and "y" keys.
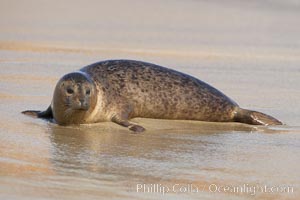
{"x": 101, "y": 150}
{"x": 84, "y": 149}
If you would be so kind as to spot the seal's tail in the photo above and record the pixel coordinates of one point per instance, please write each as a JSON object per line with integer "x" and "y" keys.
{"x": 255, "y": 118}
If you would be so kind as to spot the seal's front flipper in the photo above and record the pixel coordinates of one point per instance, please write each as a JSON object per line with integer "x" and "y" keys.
{"x": 124, "y": 122}
{"x": 47, "y": 114}
{"x": 136, "y": 128}
{"x": 255, "y": 118}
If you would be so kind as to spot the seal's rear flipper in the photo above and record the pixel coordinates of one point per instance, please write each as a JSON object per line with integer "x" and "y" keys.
{"x": 47, "y": 114}
{"x": 255, "y": 118}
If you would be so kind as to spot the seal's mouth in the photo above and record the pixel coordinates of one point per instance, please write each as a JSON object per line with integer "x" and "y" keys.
{"x": 81, "y": 107}
{"x": 84, "y": 108}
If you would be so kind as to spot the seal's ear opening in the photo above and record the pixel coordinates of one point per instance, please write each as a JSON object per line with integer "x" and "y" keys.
{"x": 47, "y": 114}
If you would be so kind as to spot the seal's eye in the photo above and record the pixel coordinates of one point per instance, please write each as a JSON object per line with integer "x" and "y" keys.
{"x": 88, "y": 92}
{"x": 70, "y": 91}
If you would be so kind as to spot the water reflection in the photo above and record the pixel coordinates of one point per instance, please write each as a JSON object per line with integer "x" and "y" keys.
{"x": 105, "y": 150}
{"x": 192, "y": 152}
{"x": 106, "y": 160}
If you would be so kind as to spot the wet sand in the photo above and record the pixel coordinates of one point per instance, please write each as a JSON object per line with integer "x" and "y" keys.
{"x": 248, "y": 50}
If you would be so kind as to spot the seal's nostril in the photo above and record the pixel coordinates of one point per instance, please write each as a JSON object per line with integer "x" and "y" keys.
{"x": 83, "y": 104}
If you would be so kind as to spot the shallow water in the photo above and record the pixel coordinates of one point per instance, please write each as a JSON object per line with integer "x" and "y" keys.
{"x": 253, "y": 58}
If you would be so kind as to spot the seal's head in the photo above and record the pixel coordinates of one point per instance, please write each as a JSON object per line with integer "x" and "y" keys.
{"x": 74, "y": 98}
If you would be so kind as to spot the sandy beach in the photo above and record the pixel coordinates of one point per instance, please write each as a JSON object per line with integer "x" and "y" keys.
{"x": 250, "y": 50}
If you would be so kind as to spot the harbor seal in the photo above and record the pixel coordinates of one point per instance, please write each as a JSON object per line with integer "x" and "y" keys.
{"x": 119, "y": 90}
